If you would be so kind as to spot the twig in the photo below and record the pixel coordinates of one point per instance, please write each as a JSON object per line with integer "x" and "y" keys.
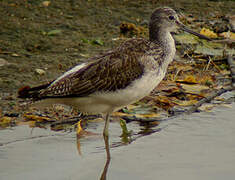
{"x": 209, "y": 62}
{"x": 231, "y": 63}
{"x": 207, "y": 99}
{"x": 226, "y": 41}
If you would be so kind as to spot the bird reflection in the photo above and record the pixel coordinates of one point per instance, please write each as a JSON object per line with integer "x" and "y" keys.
{"x": 127, "y": 137}
{"x": 81, "y": 133}
{"x": 108, "y": 158}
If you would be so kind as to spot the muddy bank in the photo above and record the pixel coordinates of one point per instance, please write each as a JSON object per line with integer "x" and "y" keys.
{"x": 54, "y": 37}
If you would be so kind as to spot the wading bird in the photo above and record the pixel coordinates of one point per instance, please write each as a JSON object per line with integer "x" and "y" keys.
{"x": 118, "y": 77}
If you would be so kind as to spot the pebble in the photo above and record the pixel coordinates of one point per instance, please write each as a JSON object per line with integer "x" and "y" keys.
{"x": 3, "y": 62}
{"x": 46, "y": 3}
{"x": 40, "y": 71}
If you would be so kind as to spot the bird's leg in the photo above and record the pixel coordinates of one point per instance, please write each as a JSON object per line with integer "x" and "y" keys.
{"x": 106, "y": 135}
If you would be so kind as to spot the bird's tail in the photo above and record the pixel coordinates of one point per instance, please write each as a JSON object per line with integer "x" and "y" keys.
{"x": 27, "y": 92}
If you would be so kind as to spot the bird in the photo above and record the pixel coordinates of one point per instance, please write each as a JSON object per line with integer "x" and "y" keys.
{"x": 118, "y": 77}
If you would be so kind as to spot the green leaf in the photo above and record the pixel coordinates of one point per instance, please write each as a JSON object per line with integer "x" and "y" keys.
{"x": 97, "y": 42}
{"x": 54, "y": 32}
{"x": 186, "y": 38}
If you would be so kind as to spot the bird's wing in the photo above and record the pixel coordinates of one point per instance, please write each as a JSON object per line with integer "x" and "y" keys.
{"x": 109, "y": 72}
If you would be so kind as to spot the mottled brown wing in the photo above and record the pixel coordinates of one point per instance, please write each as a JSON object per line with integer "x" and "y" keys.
{"x": 109, "y": 72}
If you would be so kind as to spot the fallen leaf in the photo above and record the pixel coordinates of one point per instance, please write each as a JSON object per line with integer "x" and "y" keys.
{"x": 5, "y": 121}
{"x": 96, "y": 120}
{"x": 152, "y": 115}
{"x": 46, "y": 3}
{"x": 163, "y": 102}
{"x": 185, "y": 39}
{"x": 184, "y": 103}
{"x": 188, "y": 80}
{"x": 54, "y": 32}
{"x": 206, "y": 107}
{"x": 31, "y": 124}
{"x": 194, "y": 89}
{"x": 15, "y": 55}
{"x": 40, "y": 71}
{"x": 229, "y": 35}
{"x": 201, "y": 49}
{"x": 36, "y": 118}
{"x": 208, "y": 33}
{"x": 119, "y": 114}
{"x": 97, "y": 42}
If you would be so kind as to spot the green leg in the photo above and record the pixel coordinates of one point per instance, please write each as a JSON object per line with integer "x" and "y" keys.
{"x": 106, "y": 135}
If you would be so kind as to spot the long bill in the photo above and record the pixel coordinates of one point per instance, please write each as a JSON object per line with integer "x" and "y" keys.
{"x": 184, "y": 28}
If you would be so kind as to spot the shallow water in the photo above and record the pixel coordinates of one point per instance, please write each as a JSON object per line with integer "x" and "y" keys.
{"x": 196, "y": 146}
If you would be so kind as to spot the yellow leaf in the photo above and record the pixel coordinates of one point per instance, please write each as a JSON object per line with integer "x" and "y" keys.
{"x": 96, "y": 120}
{"x": 131, "y": 106}
{"x": 206, "y": 107}
{"x": 208, "y": 33}
{"x": 163, "y": 102}
{"x": 36, "y": 118}
{"x": 5, "y": 121}
{"x": 185, "y": 103}
{"x": 153, "y": 115}
{"x": 188, "y": 80}
{"x": 79, "y": 128}
{"x": 46, "y": 3}
{"x": 194, "y": 89}
{"x": 120, "y": 114}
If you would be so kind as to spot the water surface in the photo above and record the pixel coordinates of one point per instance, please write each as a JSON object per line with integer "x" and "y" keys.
{"x": 196, "y": 146}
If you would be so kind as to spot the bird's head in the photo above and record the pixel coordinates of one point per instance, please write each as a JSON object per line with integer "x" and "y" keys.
{"x": 167, "y": 19}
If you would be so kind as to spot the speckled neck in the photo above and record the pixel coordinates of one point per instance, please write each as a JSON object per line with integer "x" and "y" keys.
{"x": 163, "y": 38}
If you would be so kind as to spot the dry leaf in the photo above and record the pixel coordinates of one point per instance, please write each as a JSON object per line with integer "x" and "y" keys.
{"x": 96, "y": 120}
{"x": 206, "y": 107}
{"x": 185, "y": 103}
{"x": 46, "y": 3}
{"x": 229, "y": 35}
{"x": 188, "y": 80}
{"x": 119, "y": 114}
{"x": 152, "y": 115}
{"x": 36, "y": 118}
{"x": 208, "y": 33}
{"x": 31, "y": 124}
{"x": 5, "y": 121}
{"x": 163, "y": 102}
{"x": 194, "y": 89}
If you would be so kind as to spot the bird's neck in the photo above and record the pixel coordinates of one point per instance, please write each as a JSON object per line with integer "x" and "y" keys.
{"x": 163, "y": 38}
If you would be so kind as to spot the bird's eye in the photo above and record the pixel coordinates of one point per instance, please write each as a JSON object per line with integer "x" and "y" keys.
{"x": 171, "y": 17}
